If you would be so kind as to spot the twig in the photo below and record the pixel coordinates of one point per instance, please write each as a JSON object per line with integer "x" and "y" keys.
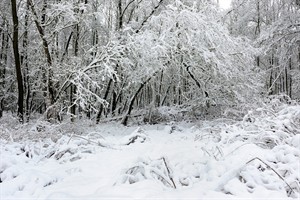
{"x": 163, "y": 178}
{"x": 90, "y": 141}
{"x": 95, "y": 133}
{"x": 70, "y": 138}
{"x": 203, "y": 149}
{"x": 268, "y": 166}
{"x": 169, "y": 174}
{"x": 220, "y": 151}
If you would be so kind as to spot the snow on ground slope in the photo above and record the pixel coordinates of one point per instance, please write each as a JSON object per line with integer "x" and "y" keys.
{"x": 257, "y": 158}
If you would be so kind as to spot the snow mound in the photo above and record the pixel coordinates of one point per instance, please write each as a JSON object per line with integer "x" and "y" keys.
{"x": 136, "y": 136}
{"x": 157, "y": 170}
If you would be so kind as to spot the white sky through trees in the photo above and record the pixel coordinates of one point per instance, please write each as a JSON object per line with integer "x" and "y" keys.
{"x": 224, "y": 3}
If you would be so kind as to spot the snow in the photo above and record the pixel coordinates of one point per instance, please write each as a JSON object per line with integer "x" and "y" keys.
{"x": 257, "y": 158}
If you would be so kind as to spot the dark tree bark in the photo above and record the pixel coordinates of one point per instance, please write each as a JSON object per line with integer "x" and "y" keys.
{"x": 17, "y": 59}
{"x": 114, "y": 102}
{"x": 67, "y": 47}
{"x": 133, "y": 98}
{"x": 105, "y": 97}
{"x": 199, "y": 86}
{"x": 158, "y": 99}
{"x": 120, "y": 15}
{"x": 76, "y": 34}
{"x": 290, "y": 79}
{"x": 72, "y": 100}
{"x": 3, "y": 62}
{"x": 25, "y": 64}
{"x": 73, "y": 87}
{"x": 148, "y": 17}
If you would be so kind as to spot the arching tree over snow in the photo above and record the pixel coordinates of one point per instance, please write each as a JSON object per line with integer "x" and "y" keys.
{"x": 182, "y": 39}
{"x": 106, "y": 58}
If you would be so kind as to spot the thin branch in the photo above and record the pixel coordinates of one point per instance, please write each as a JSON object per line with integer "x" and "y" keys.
{"x": 147, "y": 18}
{"x": 127, "y": 6}
{"x": 88, "y": 140}
{"x": 64, "y": 86}
{"x": 269, "y": 167}
{"x": 169, "y": 174}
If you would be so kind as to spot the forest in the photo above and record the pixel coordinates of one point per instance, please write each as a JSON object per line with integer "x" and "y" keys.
{"x": 100, "y": 59}
{"x": 134, "y": 84}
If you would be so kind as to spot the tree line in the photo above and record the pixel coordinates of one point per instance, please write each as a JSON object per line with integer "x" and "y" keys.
{"x": 98, "y": 58}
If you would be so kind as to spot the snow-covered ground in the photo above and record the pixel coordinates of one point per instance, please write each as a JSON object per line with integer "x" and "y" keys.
{"x": 257, "y": 158}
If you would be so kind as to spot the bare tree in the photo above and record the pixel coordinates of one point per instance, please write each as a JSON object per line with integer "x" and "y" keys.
{"x": 17, "y": 58}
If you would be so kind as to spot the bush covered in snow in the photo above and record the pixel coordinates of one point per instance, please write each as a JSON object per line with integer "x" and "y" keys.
{"x": 255, "y": 157}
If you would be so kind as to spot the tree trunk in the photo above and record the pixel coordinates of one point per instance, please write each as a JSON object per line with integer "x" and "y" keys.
{"x": 3, "y": 64}
{"x": 114, "y": 102}
{"x": 290, "y": 79}
{"x": 48, "y": 78}
{"x": 73, "y": 106}
{"x": 101, "y": 106}
{"x": 67, "y": 47}
{"x": 26, "y": 68}
{"x": 158, "y": 99}
{"x": 73, "y": 89}
{"x": 125, "y": 118}
{"x": 120, "y": 16}
{"x": 207, "y": 103}
{"x": 17, "y": 59}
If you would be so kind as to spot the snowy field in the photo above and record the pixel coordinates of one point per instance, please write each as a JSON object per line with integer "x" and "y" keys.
{"x": 256, "y": 158}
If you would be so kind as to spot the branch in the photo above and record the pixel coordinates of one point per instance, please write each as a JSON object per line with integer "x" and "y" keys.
{"x": 125, "y": 119}
{"x": 131, "y": 13}
{"x": 196, "y": 81}
{"x": 65, "y": 85}
{"x": 146, "y": 19}
{"x": 89, "y": 141}
{"x": 169, "y": 174}
{"x": 127, "y": 6}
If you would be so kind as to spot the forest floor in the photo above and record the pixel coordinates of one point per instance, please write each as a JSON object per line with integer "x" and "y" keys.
{"x": 255, "y": 158}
